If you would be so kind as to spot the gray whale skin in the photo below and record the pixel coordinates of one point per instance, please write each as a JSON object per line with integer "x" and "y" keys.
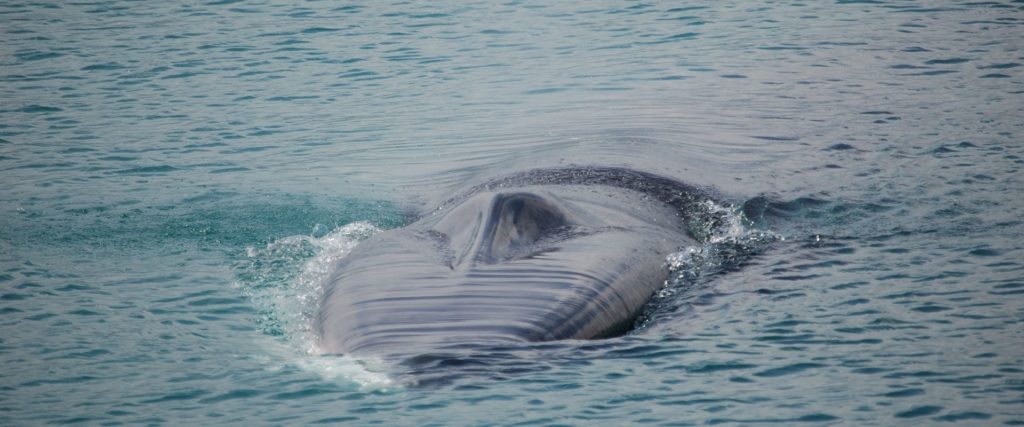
{"x": 548, "y": 254}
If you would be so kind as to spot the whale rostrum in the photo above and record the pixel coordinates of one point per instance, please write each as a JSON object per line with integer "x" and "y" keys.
{"x": 570, "y": 253}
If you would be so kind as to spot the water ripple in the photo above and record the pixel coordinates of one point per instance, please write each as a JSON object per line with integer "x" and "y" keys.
{"x": 155, "y": 159}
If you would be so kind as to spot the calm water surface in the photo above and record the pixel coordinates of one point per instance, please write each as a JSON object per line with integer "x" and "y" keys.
{"x": 178, "y": 177}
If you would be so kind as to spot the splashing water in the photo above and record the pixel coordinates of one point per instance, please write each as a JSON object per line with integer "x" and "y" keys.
{"x": 726, "y": 238}
{"x": 285, "y": 281}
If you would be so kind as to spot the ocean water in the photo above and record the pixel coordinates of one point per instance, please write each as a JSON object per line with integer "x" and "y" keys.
{"x": 177, "y": 178}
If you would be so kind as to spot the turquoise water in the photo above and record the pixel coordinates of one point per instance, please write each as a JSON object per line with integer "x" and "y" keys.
{"x": 177, "y": 178}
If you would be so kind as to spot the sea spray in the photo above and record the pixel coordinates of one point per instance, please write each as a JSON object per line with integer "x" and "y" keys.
{"x": 285, "y": 280}
{"x": 726, "y": 238}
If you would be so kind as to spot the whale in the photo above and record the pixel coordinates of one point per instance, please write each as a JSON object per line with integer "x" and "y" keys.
{"x": 568, "y": 253}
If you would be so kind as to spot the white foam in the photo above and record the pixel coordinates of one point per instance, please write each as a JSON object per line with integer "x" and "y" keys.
{"x": 724, "y": 237}
{"x": 369, "y": 374}
{"x": 725, "y": 234}
{"x": 285, "y": 279}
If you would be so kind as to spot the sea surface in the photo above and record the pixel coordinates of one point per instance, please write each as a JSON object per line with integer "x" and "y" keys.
{"x": 177, "y": 178}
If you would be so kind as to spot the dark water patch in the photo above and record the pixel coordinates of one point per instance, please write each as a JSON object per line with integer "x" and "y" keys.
{"x": 785, "y": 47}
{"x": 896, "y": 250}
{"x": 855, "y": 301}
{"x": 428, "y": 406}
{"x": 913, "y": 9}
{"x": 810, "y": 418}
{"x": 358, "y": 74}
{"x": 705, "y": 401}
{"x": 1000, "y": 66}
{"x": 995, "y": 76}
{"x": 39, "y": 317}
{"x": 9, "y": 310}
{"x": 933, "y": 73}
{"x": 817, "y": 418}
{"x": 907, "y": 392}
{"x": 917, "y": 374}
{"x": 840, "y": 147}
{"x": 68, "y": 380}
{"x": 545, "y": 91}
{"x": 91, "y": 354}
{"x": 682, "y": 36}
{"x": 1010, "y": 286}
{"x": 959, "y": 417}
{"x": 118, "y": 158}
{"x": 147, "y": 170}
{"x": 984, "y": 252}
{"x": 46, "y": 165}
{"x": 919, "y": 411}
{"x": 685, "y": 9}
{"x": 788, "y": 370}
{"x": 183, "y": 75}
{"x": 293, "y": 98}
{"x": 317, "y": 30}
{"x": 108, "y": 66}
{"x": 39, "y": 109}
{"x": 34, "y": 55}
{"x": 776, "y": 138}
{"x": 253, "y": 149}
{"x": 84, "y": 312}
{"x": 336, "y": 420}
{"x": 946, "y": 61}
{"x": 718, "y": 367}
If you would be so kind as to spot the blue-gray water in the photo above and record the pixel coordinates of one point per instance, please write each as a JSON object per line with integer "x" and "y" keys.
{"x": 175, "y": 178}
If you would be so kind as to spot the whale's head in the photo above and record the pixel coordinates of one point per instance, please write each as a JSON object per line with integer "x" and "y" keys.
{"x": 536, "y": 263}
